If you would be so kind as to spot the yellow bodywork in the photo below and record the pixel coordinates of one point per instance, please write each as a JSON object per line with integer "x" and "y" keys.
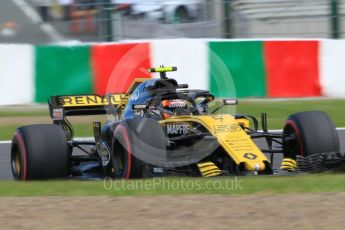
{"x": 208, "y": 169}
{"x": 230, "y": 135}
{"x": 243, "y": 122}
{"x": 289, "y": 164}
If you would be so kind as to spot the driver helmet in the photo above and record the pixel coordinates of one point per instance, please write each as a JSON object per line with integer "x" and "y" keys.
{"x": 169, "y": 107}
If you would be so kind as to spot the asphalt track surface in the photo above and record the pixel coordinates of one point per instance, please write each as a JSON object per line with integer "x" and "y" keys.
{"x": 5, "y": 169}
{"x": 26, "y": 30}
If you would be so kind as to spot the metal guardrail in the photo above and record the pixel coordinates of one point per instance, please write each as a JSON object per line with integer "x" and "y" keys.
{"x": 93, "y": 21}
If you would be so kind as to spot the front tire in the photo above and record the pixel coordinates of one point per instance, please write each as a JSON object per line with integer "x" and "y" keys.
{"x": 39, "y": 152}
{"x": 136, "y": 142}
{"x": 312, "y": 131}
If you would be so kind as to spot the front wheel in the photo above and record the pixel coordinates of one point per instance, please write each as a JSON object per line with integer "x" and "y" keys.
{"x": 137, "y": 143}
{"x": 308, "y": 133}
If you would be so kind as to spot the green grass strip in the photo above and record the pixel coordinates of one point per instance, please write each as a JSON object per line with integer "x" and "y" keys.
{"x": 81, "y": 130}
{"x": 23, "y": 113}
{"x": 179, "y": 186}
{"x": 278, "y": 110}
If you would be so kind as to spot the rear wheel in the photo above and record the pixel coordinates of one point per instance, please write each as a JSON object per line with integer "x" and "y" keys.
{"x": 39, "y": 152}
{"x": 309, "y": 133}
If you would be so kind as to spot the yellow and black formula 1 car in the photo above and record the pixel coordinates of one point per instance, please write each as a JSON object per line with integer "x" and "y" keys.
{"x": 160, "y": 128}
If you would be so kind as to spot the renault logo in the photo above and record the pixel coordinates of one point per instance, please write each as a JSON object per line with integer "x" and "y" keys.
{"x": 250, "y": 156}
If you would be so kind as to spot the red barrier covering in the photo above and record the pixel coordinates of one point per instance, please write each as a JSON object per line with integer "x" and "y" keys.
{"x": 115, "y": 66}
{"x": 292, "y": 68}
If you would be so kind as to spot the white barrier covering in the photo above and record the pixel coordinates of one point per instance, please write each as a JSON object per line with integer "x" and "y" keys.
{"x": 16, "y": 74}
{"x": 189, "y": 55}
{"x": 332, "y": 67}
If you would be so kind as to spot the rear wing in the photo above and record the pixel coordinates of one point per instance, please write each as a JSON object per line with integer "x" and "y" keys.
{"x": 93, "y": 104}
{"x": 79, "y": 105}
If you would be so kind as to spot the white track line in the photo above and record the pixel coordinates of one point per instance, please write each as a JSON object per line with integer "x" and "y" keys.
{"x": 76, "y": 139}
{"x": 280, "y": 130}
{"x": 36, "y": 19}
{"x": 91, "y": 139}
{"x": 5, "y": 142}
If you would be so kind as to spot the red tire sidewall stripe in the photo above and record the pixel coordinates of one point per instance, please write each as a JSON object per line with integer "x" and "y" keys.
{"x": 128, "y": 149}
{"x": 23, "y": 154}
{"x": 298, "y": 135}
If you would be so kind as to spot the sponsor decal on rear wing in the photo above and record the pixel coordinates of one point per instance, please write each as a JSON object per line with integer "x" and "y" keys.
{"x": 90, "y": 100}
{"x": 85, "y": 104}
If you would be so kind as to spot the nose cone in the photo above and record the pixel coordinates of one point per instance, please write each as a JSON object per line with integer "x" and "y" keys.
{"x": 254, "y": 166}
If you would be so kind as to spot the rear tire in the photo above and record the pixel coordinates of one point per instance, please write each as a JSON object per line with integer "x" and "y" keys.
{"x": 314, "y": 132}
{"x": 39, "y": 152}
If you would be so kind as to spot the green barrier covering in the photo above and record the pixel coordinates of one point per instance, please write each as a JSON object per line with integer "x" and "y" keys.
{"x": 237, "y": 69}
{"x": 62, "y": 70}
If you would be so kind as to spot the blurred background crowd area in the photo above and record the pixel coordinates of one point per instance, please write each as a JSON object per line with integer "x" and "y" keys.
{"x": 51, "y": 21}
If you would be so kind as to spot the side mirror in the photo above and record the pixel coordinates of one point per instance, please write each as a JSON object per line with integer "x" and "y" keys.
{"x": 230, "y": 101}
{"x": 182, "y": 86}
{"x": 139, "y": 107}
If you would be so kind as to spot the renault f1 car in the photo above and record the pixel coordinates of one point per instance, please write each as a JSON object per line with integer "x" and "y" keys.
{"x": 161, "y": 128}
